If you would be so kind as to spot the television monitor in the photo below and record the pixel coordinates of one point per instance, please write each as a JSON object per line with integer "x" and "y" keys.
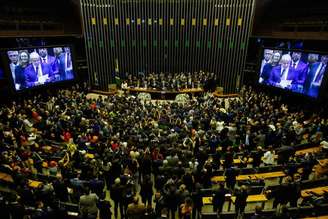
{"x": 293, "y": 70}
{"x": 37, "y": 66}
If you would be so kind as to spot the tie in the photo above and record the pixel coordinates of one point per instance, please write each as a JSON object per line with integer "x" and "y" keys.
{"x": 320, "y": 74}
{"x": 38, "y": 72}
{"x": 44, "y": 60}
{"x": 69, "y": 62}
{"x": 283, "y": 73}
{"x": 294, "y": 65}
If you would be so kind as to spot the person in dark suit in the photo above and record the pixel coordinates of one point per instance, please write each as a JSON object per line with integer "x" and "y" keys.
{"x": 300, "y": 69}
{"x": 13, "y": 57}
{"x": 44, "y": 57}
{"x": 267, "y": 68}
{"x": 20, "y": 80}
{"x": 66, "y": 65}
{"x": 282, "y": 75}
{"x": 315, "y": 75}
{"x": 56, "y": 64}
{"x": 231, "y": 177}
{"x": 37, "y": 73}
{"x": 219, "y": 198}
{"x": 241, "y": 200}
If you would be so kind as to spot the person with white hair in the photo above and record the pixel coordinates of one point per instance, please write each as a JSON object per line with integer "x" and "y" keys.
{"x": 37, "y": 73}
{"x": 282, "y": 75}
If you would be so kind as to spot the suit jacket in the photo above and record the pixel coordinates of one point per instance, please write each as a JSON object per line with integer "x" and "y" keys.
{"x": 300, "y": 72}
{"x": 275, "y": 76}
{"x": 20, "y": 76}
{"x": 50, "y": 60}
{"x": 308, "y": 89}
{"x": 32, "y": 76}
{"x": 62, "y": 67}
{"x": 266, "y": 72}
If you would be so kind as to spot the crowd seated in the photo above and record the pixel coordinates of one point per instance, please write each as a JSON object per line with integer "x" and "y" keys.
{"x": 170, "y": 81}
{"x": 68, "y": 156}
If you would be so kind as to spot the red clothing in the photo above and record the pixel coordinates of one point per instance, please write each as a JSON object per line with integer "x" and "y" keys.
{"x": 115, "y": 146}
{"x": 67, "y": 136}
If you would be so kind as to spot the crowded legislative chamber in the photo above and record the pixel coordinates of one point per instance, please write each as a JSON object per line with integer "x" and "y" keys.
{"x": 163, "y": 109}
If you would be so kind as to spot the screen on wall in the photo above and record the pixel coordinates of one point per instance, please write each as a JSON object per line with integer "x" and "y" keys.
{"x": 32, "y": 67}
{"x": 296, "y": 71}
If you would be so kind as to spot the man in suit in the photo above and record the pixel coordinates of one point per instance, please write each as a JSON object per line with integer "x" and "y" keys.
{"x": 283, "y": 76}
{"x": 13, "y": 57}
{"x": 315, "y": 75}
{"x": 300, "y": 69}
{"x": 37, "y": 73}
{"x": 267, "y": 67}
{"x": 66, "y": 65}
{"x": 44, "y": 57}
{"x": 267, "y": 58}
{"x": 56, "y": 64}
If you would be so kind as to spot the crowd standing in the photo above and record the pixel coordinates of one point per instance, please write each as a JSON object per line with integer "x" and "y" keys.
{"x": 153, "y": 157}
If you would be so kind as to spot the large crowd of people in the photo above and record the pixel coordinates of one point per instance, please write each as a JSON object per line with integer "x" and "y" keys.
{"x": 170, "y": 81}
{"x": 152, "y": 159}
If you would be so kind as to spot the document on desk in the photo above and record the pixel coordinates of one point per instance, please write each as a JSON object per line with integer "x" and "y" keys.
{"x": 285, "y": 83}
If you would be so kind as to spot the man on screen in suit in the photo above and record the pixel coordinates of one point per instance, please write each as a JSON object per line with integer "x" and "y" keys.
{"x": 300, "y": 69}
{"x": 66, "y": 65}
{"x": 13, "y": 57}
{"x": 37, "y": 73}
{"x": 315, "y": 75}
{"x": 268, "y": 53}
{"x": 283, "y": 75}
{"x": 44, "y": 57}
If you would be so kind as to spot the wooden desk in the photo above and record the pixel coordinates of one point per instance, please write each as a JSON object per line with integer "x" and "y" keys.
{"x": 149, "y": 90}
{"x": 308, "y": 150}
{"x": 319, "y": 217}
{"x": 34, "y": 184}
{"x": 250, "y": 199}
{"x": 268, "y": 175}
{"x": 6, "y": 177}
{"x": 318, "y": 191}
{"x": 215, "y": 94}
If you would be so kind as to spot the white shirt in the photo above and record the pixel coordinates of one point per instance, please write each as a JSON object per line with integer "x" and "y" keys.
{"x": 45, "y": 58}
{"x": 268, "y": 158}
{"x": 68, "y": 68}
{"x": 318, "y": 72}
{"x": 296, "y": 64}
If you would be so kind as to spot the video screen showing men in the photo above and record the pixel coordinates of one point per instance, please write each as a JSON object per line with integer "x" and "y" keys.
{"x": 293, "y": 70}
{"x": 30, "y": 68}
